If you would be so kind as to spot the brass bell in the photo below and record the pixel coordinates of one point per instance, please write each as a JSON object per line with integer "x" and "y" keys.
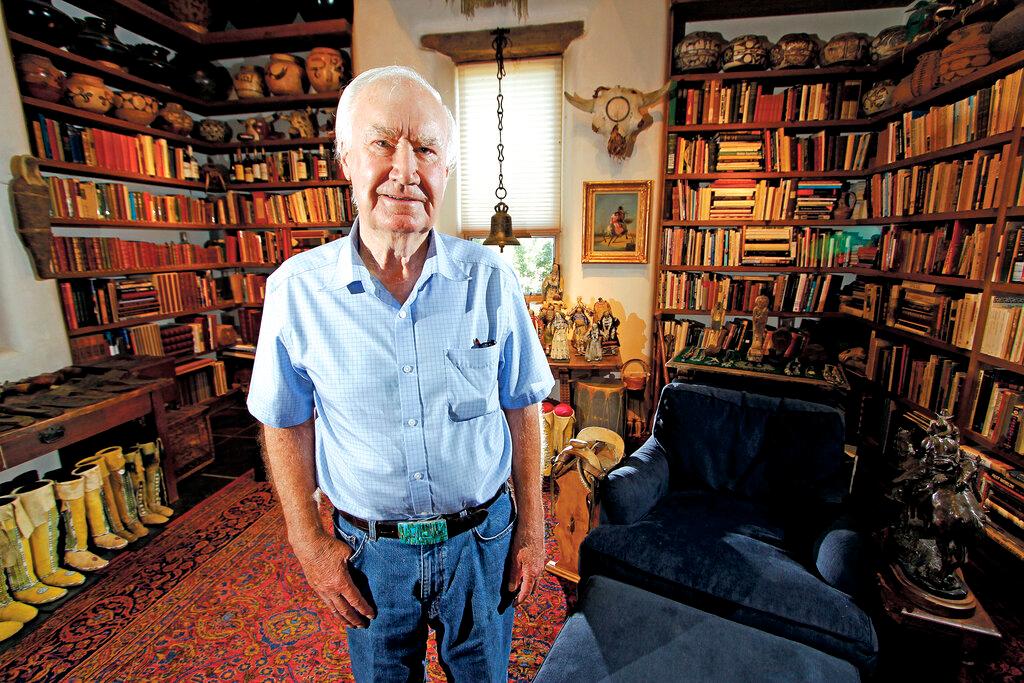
{"x": 501, "y": 228}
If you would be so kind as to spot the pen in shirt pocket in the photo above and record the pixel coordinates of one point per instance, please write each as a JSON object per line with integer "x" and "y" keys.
{"x": 477, "y": 344}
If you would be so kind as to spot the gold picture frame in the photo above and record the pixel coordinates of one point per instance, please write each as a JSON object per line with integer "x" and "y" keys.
{"x": 616, "y": 215}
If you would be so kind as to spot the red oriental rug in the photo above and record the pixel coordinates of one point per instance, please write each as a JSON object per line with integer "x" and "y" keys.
{"x": 219, "y": 595}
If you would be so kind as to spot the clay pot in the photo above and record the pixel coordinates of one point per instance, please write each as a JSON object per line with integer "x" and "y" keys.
{"x": 40, "y": 77}
{"x": 285, "y": 75}
{"x": 795, "y": 51}
{"x": 324, "y": 69}
{"x": 249, "y": 82}
{"x": 846, "y": 49}
{"x": 1007, "y": 35}
{"x": 96, "y": 40}
{"x": 135, "y": 107}
{"x": 921, "y": 81}
{"x": 888, "y": 42}
{"x": 195, "y": 14}
{"x": 212, "y": 130}
{"x": 878, "y": 98}
{"x": 174, "y": 119}
{"x": 699, "y": 51}
{"x": 746, "y": 52}
{"x": 966, "y": 53}
{"x": 39, "y": 19}
{"x": 317, "y": 10}
{"x": 89, "y": 93}
{"x": 201, "y": 79}
{"x": 150, "y": 61}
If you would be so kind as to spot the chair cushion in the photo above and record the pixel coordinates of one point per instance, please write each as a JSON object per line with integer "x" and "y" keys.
{"x": 727, "y": 555}
{"x": 624, "y": 633}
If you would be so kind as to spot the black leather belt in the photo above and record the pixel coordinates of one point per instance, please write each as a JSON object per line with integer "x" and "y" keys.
{"x": 427, "y": 531}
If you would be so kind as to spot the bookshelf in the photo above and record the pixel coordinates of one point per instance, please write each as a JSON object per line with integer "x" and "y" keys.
{"x": 919, "y": 366}
{"x": 116, "y": 198}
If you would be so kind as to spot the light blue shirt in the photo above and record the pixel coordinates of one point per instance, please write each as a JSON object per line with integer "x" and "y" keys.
{"x": 409, "y": 422}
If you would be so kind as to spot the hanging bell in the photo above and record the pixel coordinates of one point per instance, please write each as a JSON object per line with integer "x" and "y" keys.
{"x": 501, "y": 228}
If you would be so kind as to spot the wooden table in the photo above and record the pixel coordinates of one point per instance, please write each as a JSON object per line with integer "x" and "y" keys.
{"x": 18, "y": 446}
{"x": 578, "y": 367}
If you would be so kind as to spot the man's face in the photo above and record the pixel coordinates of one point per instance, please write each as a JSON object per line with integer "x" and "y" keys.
{"x": 396, "y": 157}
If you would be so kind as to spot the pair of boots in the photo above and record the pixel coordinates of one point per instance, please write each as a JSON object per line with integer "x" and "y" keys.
{"x": 559, "y": 421}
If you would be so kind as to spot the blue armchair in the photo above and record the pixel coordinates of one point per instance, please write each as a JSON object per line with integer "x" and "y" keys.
{"x": 734, "y": 507}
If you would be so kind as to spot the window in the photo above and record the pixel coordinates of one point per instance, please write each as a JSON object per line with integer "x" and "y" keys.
{"x": 532, "y": 134}
{"x": 531, "y": 260}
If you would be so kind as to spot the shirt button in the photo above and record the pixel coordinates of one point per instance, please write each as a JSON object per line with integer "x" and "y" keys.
{"x": 417, "y": 476}
{"x": 411, "y": 423}
{"x": 402, "y": 314}
{"x": 407, "y": 369}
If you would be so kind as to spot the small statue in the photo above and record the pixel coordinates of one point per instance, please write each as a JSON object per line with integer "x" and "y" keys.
{"x": 600, "y": 308}
{"x": 579, "y": 321}
{"x": 595, "y": 351}
{"x": 715, "y": 335}
{"x": 755, "y": 354}
{"x": 551, "y": 287}
{"x": 302, "y": 124}
{"x": 938, "y": 518}
{"x": 257, "y": 128}
{"x": 608, "y": 326}
{"x": 559, "y": 337}
{"x": 548, "y": 311}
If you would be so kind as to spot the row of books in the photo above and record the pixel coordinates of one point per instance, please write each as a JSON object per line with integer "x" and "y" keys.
{"x": 72, "y": 198}
{"x": 933, "y": 382}
{"x": 959, "y": 185}
{"x": 770, "y": 150}
{"x": 251, "y": 246}
{"x": 994, "y": 409}
{"x": 311, "y": 205}
{"x": 98, "y": 301}
{"x": 716, "y": 101}
{"x": 140, "y": 339}
{"x": 1003, "y": 336}
{"x": 1011, "y": 253}
{"x": 958, "y": 249}
{"x": 863, "y": 299}
{"x": 924, "y": 309}
{"x": 141, "y": 154}
{"x": 85, "y": 254}
{"x": 1001, "y": 492}
{"x": 745, "y": 199}
{"x": 175, "y": 339}
{"x": 760, "y": 245}
{"x": 249, "y": 320}
{"x": 989, "y": 111}
{"x": 797, "y": 293}
{"x": 249, "y": 288}
{"x": 678, "y": 335}
{"x": 195, "y": 386}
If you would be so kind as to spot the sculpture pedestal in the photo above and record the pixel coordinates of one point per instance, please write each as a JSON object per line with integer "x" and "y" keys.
{"x": 954, "y": 608}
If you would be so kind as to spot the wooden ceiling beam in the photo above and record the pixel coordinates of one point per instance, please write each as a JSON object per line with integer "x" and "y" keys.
{"x": 539, "y": 40}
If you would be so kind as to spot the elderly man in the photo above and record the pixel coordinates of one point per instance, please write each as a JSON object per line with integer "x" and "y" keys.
{"x": 417, "y": 352}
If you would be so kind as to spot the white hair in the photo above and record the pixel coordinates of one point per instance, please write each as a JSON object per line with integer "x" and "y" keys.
{"x": 394, "y": 75}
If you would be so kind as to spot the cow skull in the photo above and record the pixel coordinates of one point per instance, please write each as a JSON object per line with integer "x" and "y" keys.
{"x": 620, "y": 113}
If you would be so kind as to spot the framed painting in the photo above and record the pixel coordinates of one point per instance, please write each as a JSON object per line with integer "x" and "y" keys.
{"x": 615, "y": 220}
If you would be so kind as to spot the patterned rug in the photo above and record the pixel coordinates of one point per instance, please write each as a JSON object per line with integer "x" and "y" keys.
{"x": 219, "y": 595}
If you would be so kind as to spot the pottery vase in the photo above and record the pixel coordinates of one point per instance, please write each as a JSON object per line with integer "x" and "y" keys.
{"x": 878, "y": 98}
{"x": 966, "y": 53}
{"x": 96, "y": 40}
{"x": 285, "y": 75}
{"x": 213, "y": 130}
{"x": 746, "y": 52}
{"x": 40, "y": 20}
{"x": 846, "y": 49}
{"x": 89, "y": 93}
{"x": 135, "y": 107}
{"x": 324, "y": 69}
{"x": 202, "y": 79}
{"x": 195, "y": 14}
{"x": 249, "y": 82}
{"x": 150, "y": 62}
{"x": 888, "y": 42}
{"x": 174, "y": 119}
{"x": 699, "y": 51}
{"x": 1007, "y": 35}
{"x": 795, "y": 51}
{"x": 40, "y": 77}
{"x": 921, "y": 81}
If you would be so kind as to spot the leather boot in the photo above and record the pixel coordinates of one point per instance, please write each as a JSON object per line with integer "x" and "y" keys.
{"x": 155, "y": 494}
{"x": 137, "y": 475}
{"x": 562, "y": 430}
{"x": 122, "y": 490}
{"x": 95, "y": 509}
{"x": 38, "y": 502}
{"x": 16, "y": 528}
{"x": 107, "y": 493}
{"x": 546, "y": 447}
{"x": 71, "y": 492}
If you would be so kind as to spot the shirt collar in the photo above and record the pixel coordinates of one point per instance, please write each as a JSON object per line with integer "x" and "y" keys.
{"x": 350, "y": 264}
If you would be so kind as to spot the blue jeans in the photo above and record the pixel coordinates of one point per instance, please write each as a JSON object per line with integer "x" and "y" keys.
{"x": 457, "y": 587}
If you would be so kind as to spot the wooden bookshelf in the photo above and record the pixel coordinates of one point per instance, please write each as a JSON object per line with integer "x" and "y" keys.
{"x": 183, "y": 268}
{"x": 768, "y": 175}
{"x": 780, "y": 76}
{"x": 947, "y": 280}
{"x": 148, "y": 318}
{"x": 244, "y": 187}
{"x": 825, "y": 124}
{"x": 69, "y": 168}
{"x": 992, "y": 141}
{"x": 771, "y": 314}
{"x": 91, "y": 223}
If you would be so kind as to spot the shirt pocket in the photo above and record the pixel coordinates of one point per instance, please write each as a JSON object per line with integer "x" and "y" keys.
{"x": 471, "y": 379}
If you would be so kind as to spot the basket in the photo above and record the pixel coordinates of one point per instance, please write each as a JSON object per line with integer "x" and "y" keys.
{"x": 636, "y": 381}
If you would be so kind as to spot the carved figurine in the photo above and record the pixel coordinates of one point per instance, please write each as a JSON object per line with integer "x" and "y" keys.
{"x": 548, "y": 311}
{"x": 600, "y": 308}
{"x": 608, "y": 326}
{"x": 938, "y": 518}
{"x": 595, "y": 351}
{"x": 302, "y": 124}
{"x": 559, "y": 337}
{"x": 551, "y": 287}
{"x": 755, "y": 354}
{"x": 257, "y": 128}
{"x": 579, "y": 321}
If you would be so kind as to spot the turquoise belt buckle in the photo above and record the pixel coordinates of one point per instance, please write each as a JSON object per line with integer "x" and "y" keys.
{"x": 424, "y": 532}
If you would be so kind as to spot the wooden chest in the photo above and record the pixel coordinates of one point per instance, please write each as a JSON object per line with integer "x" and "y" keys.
{"x": 189, "y": 441}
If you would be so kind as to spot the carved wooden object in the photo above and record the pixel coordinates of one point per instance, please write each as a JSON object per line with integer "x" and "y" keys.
{"x": 30, "y": 196}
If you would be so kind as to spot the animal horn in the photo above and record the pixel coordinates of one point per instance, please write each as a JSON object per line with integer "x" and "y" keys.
{"x": 579, "y": 102}
{"x": 655, "y": 95}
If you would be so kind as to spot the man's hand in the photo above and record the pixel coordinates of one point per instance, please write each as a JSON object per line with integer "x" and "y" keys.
{"x": 325, "y": 563}
{"x": 527, "y": 560}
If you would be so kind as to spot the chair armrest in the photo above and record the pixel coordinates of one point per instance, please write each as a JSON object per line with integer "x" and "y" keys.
{"x": 631, "y": 489}
{"x": 842, "y": 557}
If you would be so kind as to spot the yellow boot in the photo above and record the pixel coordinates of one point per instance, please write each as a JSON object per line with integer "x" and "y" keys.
{"x": 547, "y": 451}
{"x": 564, "y": 421}
{"x": 16, "y": 527}
{"x": 107, "y": 492}
{"x": 71, "y": 492}
{"x": 41, "y": 507}
{"x": 95, "y": 509}
{"x": 123, "y": 498}
{"x": 137, "y": 475}
{"x": 155, "y": 494}
{"x": 12, "y": 610}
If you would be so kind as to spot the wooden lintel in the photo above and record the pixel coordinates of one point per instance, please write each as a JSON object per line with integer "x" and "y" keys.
{"x": 539, "y": 40}
{"x": 709, "y": 10}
